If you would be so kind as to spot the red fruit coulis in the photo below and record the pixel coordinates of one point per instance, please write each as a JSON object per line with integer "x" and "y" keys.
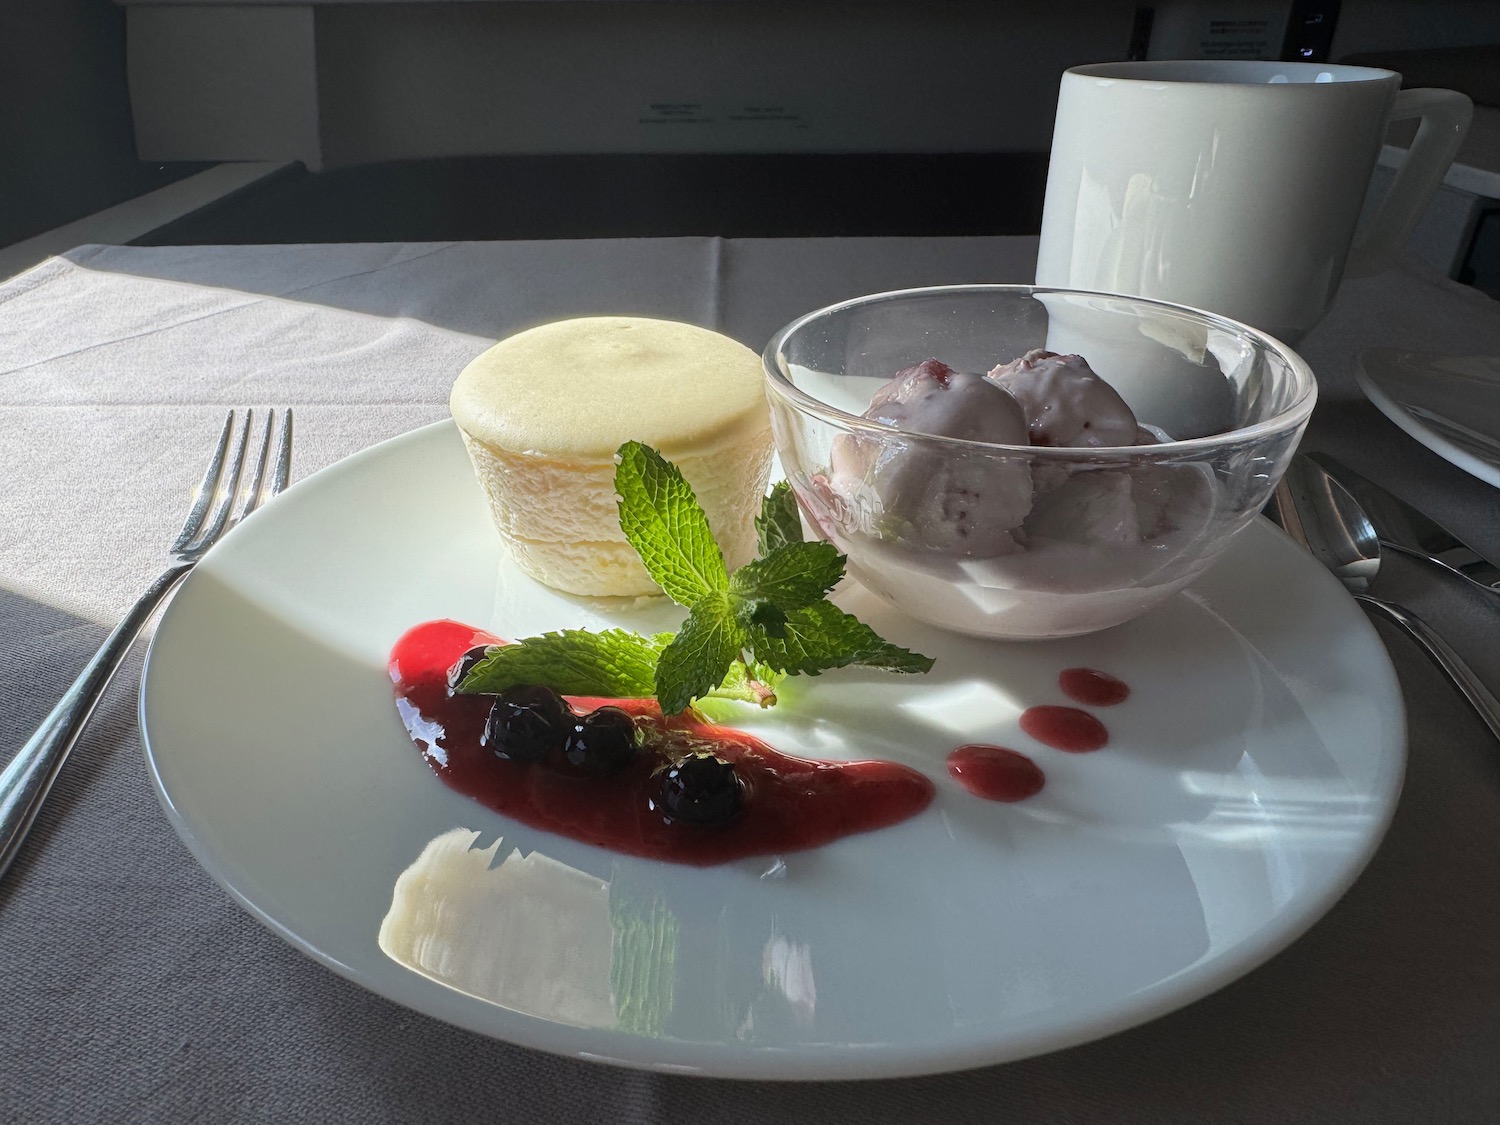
{"x": 790, "y": 803}
{"x": 1064, "y": 728}
{"x": 995, "y": 772}
{"x": 1092, "y": 687}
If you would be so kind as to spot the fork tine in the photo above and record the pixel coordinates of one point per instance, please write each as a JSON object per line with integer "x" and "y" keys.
{"x": 206, "y": 488}
{"x": 283, "y": 470}
{"x": 229, "y": 484}
{"x": 250, "y": 495}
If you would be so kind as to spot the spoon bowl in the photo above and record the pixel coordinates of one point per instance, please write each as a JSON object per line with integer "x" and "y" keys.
{"x": 1330, "y": 523}
{"x": 1323, "y": 516}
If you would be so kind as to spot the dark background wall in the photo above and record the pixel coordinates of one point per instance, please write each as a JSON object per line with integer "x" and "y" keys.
{"x": 67, "y": 147}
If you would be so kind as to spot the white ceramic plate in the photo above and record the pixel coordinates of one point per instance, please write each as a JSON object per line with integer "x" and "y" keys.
{"x": 1248, "y": 779}
{"x": 1449, "y": 403}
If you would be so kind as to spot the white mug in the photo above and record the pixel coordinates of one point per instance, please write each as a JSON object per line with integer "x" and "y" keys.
{"x": 1233, "y": 186}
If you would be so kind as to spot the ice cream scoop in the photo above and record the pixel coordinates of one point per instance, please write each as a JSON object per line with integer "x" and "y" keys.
{"x": 1065, "y": 403}
{"x": 932, "y": 398}
{"x": 950, "y": 499}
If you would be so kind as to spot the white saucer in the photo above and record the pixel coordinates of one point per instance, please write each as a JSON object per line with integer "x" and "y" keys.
{"x": 1451, "y": 404}
{"x": 1248, "y": 779}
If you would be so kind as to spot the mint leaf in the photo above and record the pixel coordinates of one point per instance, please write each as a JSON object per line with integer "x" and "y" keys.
{"x": 778, "y": 523}
{"x": 611, "y": 663}
{"x": 757, "y": 611}
{"x": 792, "y": 576}
{"x": 699, "y": 656}
{"x": 572, "y": 662}
{"x": 661, "y": 518}
{"x": 821, "y": 636}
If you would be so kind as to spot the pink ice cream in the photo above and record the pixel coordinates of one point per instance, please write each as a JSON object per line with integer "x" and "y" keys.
{"x": 982, "y": 504}
{"x": 1025, "y": 544}
{"x": 945, "y": 498}
{"x": 1065, "y": 403}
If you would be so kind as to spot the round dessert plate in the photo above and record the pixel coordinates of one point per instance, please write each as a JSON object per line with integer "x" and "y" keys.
{"x": 1449, "y": 403}
{"x": 1247, "y": 780}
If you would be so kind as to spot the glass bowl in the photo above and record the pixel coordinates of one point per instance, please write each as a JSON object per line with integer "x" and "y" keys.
{"x": 1023, "y": 541}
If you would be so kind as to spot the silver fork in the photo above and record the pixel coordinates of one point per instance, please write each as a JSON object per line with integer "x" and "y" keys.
{"x": 224, "y": 497}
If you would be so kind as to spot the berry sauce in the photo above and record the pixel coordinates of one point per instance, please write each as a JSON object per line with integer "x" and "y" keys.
{"x": 1063, "y": 728}
{"x": 1092, "y": 687}
{"x": 790, "y": 803}
{"x": 996, "y": 773}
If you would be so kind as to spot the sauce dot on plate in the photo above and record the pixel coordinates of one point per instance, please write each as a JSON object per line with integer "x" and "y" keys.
{"x": 996, "y": 773}
{"x": 1064, "y": 728}
{"x": 1092, "y": 687}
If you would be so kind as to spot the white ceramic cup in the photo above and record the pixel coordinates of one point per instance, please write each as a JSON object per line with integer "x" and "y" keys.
{"x": 1234, "y": 186}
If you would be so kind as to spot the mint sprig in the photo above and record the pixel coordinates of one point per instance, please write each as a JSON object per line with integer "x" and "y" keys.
{"x": 772, "y": 611}
{"x": 743, "y": 632}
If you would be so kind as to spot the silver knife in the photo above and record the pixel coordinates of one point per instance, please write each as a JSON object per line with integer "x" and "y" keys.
{"x": 1402, "y": 526}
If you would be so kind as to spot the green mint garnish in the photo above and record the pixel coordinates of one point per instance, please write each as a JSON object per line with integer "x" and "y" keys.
{"x": 821, "y": 636}
{"x": 744, "y": 631}
{"x": 661, "y": 518}
{"x": 573, "y": 662}
{"x": 695, "y": 662}
{"x": 791, "y": 577}
{"x": 778, "y": 523}
{"x": 772, "y": 611}
{"x": 611, "y": 663}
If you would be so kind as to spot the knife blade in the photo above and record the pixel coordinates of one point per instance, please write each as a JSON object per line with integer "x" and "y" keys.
{"x": 1400, "y": 525}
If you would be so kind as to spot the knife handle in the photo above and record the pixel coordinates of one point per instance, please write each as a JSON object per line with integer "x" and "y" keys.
{"x": 1458, "y": 672}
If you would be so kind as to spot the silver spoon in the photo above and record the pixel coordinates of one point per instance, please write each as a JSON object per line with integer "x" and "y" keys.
{"x": 1318, "y": 512}
{"x": 1401, "y": 527}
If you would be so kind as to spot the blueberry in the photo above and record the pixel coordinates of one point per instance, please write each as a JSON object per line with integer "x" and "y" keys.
{"x": 465, "y": 665}
{"x": 603, "y": 741}
{"x": 527, "y": 723}
{"x": 701, "y": 789}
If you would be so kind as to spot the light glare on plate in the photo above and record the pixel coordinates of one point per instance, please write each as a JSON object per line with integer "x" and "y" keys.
{"x": 963, "y": 707}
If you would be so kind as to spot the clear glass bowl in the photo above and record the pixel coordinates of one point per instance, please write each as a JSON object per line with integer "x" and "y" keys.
{"x": 1099, "y": 535}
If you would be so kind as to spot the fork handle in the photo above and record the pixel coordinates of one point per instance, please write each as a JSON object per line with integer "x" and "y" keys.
{"x": 1458, "y": 671}
{"x": 28, "y": 777}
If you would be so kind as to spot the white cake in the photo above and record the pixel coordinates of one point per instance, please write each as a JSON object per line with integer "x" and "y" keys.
{"x": 544, "y": 411}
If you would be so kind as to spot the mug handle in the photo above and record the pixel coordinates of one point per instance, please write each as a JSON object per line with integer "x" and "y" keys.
{"x": 1445, "y": 118}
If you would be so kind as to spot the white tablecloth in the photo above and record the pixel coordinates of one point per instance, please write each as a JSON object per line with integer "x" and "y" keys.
{"x": 136, "y": 990}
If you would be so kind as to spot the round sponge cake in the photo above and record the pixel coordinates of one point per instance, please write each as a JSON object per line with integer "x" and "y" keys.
{"x": 544, "y": 411}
